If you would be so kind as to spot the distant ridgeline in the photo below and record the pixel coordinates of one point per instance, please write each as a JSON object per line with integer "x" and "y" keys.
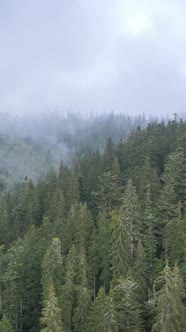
{"x": 100, "y": 245}
{"x": 31, "y": 146}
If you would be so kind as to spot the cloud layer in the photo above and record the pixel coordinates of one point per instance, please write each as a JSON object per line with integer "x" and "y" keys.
{"x": 127, "y": 56}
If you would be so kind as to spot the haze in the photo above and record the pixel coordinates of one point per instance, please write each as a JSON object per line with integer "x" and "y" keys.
{"x": 93, "y": 56}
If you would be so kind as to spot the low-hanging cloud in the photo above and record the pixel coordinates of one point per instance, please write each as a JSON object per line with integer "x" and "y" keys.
{"x": 127, "y": 56}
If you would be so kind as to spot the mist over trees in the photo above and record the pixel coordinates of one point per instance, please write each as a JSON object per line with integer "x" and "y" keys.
{"x": 31, "y": 145}
{"x": 100, "y": 244}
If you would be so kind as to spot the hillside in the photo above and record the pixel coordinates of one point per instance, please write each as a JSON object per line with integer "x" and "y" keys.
{"x": 100, "y": 246}
{"x": 31, "y": 146}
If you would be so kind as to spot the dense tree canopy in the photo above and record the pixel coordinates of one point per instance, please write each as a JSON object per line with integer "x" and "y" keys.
{"x": 101, "y": 245}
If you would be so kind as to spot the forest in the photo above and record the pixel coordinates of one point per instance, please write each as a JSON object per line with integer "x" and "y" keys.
{"x": 32, "y": 145}
{"x": 98, "y": 244}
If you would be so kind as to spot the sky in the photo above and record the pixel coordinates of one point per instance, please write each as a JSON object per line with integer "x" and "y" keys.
{"x": 93, "y": 56}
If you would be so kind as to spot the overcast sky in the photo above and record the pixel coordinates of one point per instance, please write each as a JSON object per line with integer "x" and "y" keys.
{"x": 93, "y": 55}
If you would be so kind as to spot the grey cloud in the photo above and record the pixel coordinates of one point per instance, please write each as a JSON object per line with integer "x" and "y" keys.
{"x": 83, "y": 55}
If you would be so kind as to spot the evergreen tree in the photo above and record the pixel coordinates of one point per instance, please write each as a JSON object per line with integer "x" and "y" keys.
{"x": 120, "y": 248}
{"x": 140, "y": 272}
{"x": 77, "y": 228}
{"x": 174, "y": 238}
{"x": 103, "y": 243}
{"x": 174, "y": 189}
{"x": 131, "y": 215}
{"x": 148, "y": 231}
{"x": 12, "y": 280}
{"x": 170, "y": 310}
{"x": 83, "y": 294}
{"x": 3, "y": 220}
{"x": 127, "y": 307}
{"x": 97, "y": 312}
{"x": 68, "y": 290}
{"x": 149, "y": 181}
{"x": 109, "y": 194}
{"x": 109, "y": 156}
{"x": 51, "y": 313}
{"x": 52, "y": 267}
{"x": 109, "y": 318}
{"x": 5, "y": 325}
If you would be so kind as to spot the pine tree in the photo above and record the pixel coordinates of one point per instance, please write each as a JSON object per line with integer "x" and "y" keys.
{"x": 148, "y": 231}
{"x": 120, "y": 248}
{"x": 140, "y": 272}
{"x": 97, "y": 312}
{"x": 149, "y": 181}
{"x": 5, "y": 325}
{"x": 174, "y": 237}
{"x": 109, "y": 194}
{"x": 109, "y": 156}
{"x": 51, "y": 313}
{"x": 174, "y": 179}
{"x": 170, "y": 310}
{"x": 68, "y": 290}
{"x": 72, "y": 195}
{"x": 131, "y": 215}
{"x": 12, "y": 280}
{"x": 51, "y": 184}
{"x": 52, "y": 267}
{"x": 83, "y": 294}
{"x": 127, "y": 307}
{"x": 56, "y": 210}
{"x": 109, "y": 318}
{"x": 77, "y": 228}
{"x": 3, "y": 220}
{"x": 103, "y": 243}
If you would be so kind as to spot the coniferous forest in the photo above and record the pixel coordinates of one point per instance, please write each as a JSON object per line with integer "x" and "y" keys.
{"x": 99, "y": 245}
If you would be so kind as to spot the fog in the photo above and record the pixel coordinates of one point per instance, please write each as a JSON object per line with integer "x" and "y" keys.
{"x": 31, "y": 145}
{"x": 92, "y": 56}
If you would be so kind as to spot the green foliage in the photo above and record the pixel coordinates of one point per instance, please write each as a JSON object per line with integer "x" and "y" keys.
{"x": 120, "y": 248}
{"x": 103, "y": 243}
{"x": 140, "y": 272}
{"x": 109, "y": 318}
{"x": 131, "y": 215}
{"x": 68, "y": 289}
{"x": 5, "y": 325}
{"x": 170, "y": 310}
{"x": 51, "y": 313}
{"x": 3, "y": 220}
{"x": 52, "y": 266}
{"x": 85, "y": 249}
{"x": 83, "y": 295}
{"x": 97, "y": 312}
{"x": 127, "y": 306}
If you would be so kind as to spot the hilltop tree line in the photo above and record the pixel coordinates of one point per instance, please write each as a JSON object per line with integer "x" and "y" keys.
{"x": 100, "y": 246}
{"x": 31, "y": 145}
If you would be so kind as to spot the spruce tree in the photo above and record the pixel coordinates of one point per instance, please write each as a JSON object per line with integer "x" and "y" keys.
{"x": 109, "y": 318}
{"x": 127, "y": 307}
{"x": 140, "y": 272}
{"x": 97, "y": 312}
{"x": 3, "y": 220}
{"x": 52, "y": 268}
{"x": 170, "y": 310}
{"x": 83, "y": 295}
{"x": 51, "y": 313}
{"x": 5, "y": 325}
{"x": 68, "y": 289}
{"x": 103, "y": 243}
{"x": 109, "y": 194}
{"x": 148, "y": 235}
{"x": 131, "y": 215}
{"x": 174, "y": 237}
{"x": 120, "y": 254}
